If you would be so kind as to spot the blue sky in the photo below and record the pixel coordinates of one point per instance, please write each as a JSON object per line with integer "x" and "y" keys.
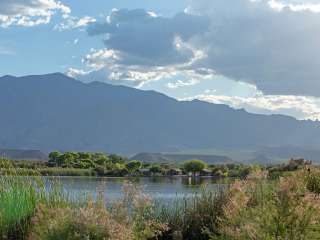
{"x": 259, "y": 55}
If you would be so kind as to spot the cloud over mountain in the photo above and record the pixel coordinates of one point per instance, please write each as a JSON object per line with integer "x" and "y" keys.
{"x": 272, "y": 44}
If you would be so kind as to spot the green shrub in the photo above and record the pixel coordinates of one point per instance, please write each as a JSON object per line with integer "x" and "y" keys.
{"x": 313, "y": 182}
{"x": 92, "y": 222}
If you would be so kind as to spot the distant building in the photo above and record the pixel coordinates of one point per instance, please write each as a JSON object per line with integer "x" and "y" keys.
{"x": 174, "y": 172}
{"x": 205, "y": 172}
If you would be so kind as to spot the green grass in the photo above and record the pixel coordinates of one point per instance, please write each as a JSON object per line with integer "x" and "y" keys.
{"x": 19, "y": 197}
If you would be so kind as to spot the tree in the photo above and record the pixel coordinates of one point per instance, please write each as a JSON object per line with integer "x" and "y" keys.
{"x": 54, "y": 158}
{"x": 194, "y": 166}
{"x": 68, "y": 159}
{"x": 100, "y": 159}
{"x": 155, "y": 169}
{"x": 116, "y": 159}
{"x": 133, "y": 165}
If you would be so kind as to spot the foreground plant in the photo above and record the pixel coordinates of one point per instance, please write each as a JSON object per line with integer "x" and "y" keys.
{"x": 92, "y": 222}
{"x": 259, "y": 209}
{"x": 19, "y": 197}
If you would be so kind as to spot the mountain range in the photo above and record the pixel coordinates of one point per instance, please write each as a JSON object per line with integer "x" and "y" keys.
{"x": 56, "y": 112}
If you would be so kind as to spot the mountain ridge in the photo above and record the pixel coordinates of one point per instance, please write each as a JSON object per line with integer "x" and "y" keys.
{"x": 56, "y": 112}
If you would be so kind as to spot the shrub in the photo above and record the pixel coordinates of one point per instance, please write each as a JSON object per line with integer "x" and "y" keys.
{"x": 141, "y": 211}
{"x": 92, "y": 222}
{"x": 258, "y": 209}
{"x": 313, "y": 182}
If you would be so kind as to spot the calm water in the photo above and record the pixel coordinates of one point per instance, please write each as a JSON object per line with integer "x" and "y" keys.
{"x": 161, "y": 188}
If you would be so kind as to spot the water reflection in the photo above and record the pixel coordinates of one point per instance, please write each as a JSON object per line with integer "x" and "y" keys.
{"x": 160, "y": 188}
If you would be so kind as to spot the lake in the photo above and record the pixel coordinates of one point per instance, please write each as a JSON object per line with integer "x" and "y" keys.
{"x": 159, "y": 188}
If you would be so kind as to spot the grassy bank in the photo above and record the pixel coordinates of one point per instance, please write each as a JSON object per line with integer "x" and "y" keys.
{"x": 254, "y": 208}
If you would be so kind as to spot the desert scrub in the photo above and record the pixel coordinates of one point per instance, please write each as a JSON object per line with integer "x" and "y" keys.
{"x": 92, "y": 222}
{"x": 130, "y": 218}
{"x": 259, "y": 209}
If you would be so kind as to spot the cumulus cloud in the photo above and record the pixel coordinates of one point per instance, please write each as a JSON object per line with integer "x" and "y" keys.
{"x": 144, "y": 38}
{"x": 29, "y": 13}
{"x": 301, "y": 107}
{"x": 271, "y": 43}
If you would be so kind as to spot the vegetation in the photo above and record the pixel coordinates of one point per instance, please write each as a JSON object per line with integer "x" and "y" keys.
{"x": 101, "y": 164}
{"x": 194, "y": 166}
{"x": 257, "y": 207}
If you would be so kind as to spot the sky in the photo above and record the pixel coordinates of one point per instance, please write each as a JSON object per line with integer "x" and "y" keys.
{"x": 260, "y": 55}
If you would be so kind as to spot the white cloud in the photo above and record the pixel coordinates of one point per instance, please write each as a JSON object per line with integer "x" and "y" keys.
{"x": 74, "y": 72}
{"x": 71, "y": 22}
{"x": 300, "y": 107}
{"x": 181, "y": 83}
{"x": 295, "y": 6}
{"x": 269, "y": 43}
{"x": 29, "y": 13}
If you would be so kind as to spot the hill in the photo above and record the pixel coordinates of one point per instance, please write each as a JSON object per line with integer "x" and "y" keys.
{"x": 55, "y": 112}
{"x": 18, "y": 154}
{"x": 168, "y": 158}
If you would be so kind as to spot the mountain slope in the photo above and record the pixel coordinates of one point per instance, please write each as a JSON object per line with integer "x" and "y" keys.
{"x": 50, "y": 112}
{"x": 170, "y": 158}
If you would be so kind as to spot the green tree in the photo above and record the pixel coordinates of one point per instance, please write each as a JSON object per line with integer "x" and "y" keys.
{"x": 68, "y": 159}
{"x": 116, "y": 159}
{"x": 194, "y": 166}
{"x": 54, "y": 158}
{"x": 100, "y": 159}
{"x": 156, "y": 169}
{"x": 133, "y": 165}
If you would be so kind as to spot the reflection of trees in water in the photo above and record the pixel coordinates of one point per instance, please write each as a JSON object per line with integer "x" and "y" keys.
{"x": 158, "y": 180}
{"x": 197, "y": 181}
{"x": 192, "y": 181}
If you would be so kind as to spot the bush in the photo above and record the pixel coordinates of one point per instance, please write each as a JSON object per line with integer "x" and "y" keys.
{"x": 258, "y": 209}
{"x": 92, "y": 222}
{"x": 313, "y": 182}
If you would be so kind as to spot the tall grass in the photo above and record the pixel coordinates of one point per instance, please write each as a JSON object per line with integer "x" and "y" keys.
{"x": 19, "y": 197}
{"x": 194, "y": 217}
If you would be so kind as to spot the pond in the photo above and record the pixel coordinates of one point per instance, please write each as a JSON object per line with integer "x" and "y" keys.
{"x": 159, "y": 188}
